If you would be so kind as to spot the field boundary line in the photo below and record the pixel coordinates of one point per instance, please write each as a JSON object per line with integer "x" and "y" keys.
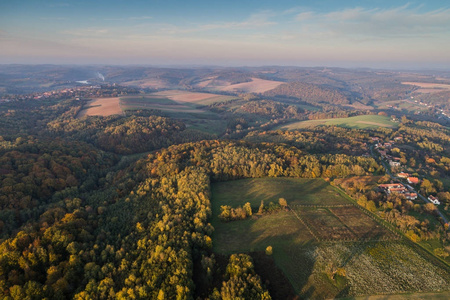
{"x": 375, "y": 218}
{"x": 322, "y": 206}
{"x": 304, "y": 223}
{"x": 370, "y": 214}
{"x": 343, "y": 223}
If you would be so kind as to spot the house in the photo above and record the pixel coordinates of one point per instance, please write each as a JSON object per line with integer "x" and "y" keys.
{"x": 388, "y": 186}
{"x": 398, "y": 138}
{"x": 403, "y": 175}
{"x": 401, "y": 190}
{"x": 394, "y": 163}
{"x": 413, "y": 180}
{"x": 398, "y": 188}
{"x": 434, "y": 200}
{"x": 411, "y": 196}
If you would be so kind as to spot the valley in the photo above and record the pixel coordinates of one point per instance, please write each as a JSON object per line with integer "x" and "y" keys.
{"x": 158, "y": 181}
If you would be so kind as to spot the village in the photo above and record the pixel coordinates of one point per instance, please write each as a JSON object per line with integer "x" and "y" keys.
{"x": 77, "y": 93}
{"x": 406, "y": 189}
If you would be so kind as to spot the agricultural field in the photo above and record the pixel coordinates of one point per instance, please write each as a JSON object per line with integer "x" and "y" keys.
{"x": 325, "y": 245}
{"x": 358, "y": 122}
{"x": 157, "y": 102}
{"x": 196, "y": 98}
{"x": 102, "y": 107}
{"x": 295, "y": 191}
{"x": 429, "y": 88}
{"x": 182, "y": 105}
{"x": 373, "y": 268}
{"x": 337, "y": 223}
{"x": 189, "y": 112}
{"x": 148, "y": 83}
{"x": 257, "y": 85}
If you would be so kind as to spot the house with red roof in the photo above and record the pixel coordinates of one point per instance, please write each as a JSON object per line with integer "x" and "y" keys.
{"x": 413, "y": 180}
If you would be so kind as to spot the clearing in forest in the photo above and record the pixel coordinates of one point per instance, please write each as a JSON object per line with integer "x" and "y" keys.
{"x": 181, "y": 105}
{"x": 358, "y": 122}
{"x": 102, "y": 107}
{"x": 257, "y": 85}
{"x": 193, "y": 97}
{"x": 154, "y": 83}
{"x": 429, "y": 88}
{"x": 325, "y": 244}
{"x": 157, "y": 102}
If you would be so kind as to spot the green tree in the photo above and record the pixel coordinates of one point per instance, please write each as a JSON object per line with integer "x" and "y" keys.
{"x": 248, "y": 209}
{"x": 282, "y": 202}
{"x": 261, "y": 208}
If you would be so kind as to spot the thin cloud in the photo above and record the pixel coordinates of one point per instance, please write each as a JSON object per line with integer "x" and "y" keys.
{"x": 378, "y": 23}
{"x": 138, "y": 18}
{"x": 88, "y": 32}
{"x": 305, "y": 16}
{"x": 255, "y": 21}
{"x": 61, "y": 4}
{"x": 53, "y": 19}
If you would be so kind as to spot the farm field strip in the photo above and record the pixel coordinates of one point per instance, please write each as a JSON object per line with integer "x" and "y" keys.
{"x": 321, "y": 228}
{"x": 158, "y": 103}
{"x": 357, "y": 122}
{"x": 364, "y": 225}
{"x": 303, "y": 222}
{"x": 320, "y": 206}
{"x": 427, "y": 85}
{"x": 101, "y": 107}
{"x": 257, "y": 85}
{"x": 326, "y": 226}
{"x": 193, "y": 97}
{"x": 342, "y": 223}
{"x": 382, "y": 268}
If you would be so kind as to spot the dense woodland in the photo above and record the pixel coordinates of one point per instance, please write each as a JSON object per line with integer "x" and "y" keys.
{"x": 120, "y": 206}
{"x": 310, "y": 93}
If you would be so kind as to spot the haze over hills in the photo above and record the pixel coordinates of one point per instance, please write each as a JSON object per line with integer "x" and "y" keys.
{"x": 362, "y": 89}
{"x": 147, "y": 182}
{"x": 224, "y": 149}
{"x": 381, "y": 34}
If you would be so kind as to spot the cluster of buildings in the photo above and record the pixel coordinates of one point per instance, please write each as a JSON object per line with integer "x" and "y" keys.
{"x": 393, "y": 161}
{"x": 407, "y": 191}
{"x": 398, "y": 188}
{"x": 409, "y": 178}
{"x": 61, "y": 93}
{"x": 91, "y": 91}
{"x": 430, "y": 105}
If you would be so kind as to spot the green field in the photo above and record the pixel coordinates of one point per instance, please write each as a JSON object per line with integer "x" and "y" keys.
{"x": 403, "y": 105}
{"x": 215, "y": 99}
{"x": 323, "y": 231}
{"x": 159, "y": 103}
{"x": 295, "y": 191}
{"x": 190, "y": 113}
{"x": 358, "y": 122}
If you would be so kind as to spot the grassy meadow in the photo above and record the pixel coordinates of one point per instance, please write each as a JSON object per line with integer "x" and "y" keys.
{"x": 358, "y": 122}
{"x": 190, "y": 112}
{"x": 325, "y": 245}
{"x": 159, "y": 103}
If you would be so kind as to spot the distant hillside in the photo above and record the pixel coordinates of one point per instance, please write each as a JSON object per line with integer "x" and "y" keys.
{"x": 310, "y": 93}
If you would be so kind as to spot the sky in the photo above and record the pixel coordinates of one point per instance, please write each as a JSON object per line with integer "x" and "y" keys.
{"x": 344, "y": 33}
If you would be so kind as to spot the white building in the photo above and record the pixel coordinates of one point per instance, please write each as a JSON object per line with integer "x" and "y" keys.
{"x": 434, "y": 200}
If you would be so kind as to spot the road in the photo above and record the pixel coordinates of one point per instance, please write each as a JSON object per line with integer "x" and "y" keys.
{"x": 399, "y": 179}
